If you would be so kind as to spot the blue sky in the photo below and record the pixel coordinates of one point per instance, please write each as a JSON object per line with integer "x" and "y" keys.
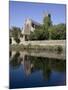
{"x": 19, "y": 11}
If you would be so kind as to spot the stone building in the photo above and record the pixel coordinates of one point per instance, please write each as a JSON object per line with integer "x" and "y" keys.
{"x": 29, "y": 26}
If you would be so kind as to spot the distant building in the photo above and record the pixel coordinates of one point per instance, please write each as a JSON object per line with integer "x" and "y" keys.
{"x": 29, "y": 26}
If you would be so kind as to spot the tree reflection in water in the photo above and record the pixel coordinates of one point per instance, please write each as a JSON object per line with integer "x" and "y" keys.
{"x": 42, "y": 64}
{"x": 16, "y": 60}
{"x": 32, "y": 64}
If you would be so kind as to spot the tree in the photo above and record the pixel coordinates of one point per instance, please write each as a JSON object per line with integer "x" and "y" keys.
{"x": 38, "y": 34}
{"x": 47, "y": 22}
{"x": 57, "y": 32}
{"x": 16, "y": 33}
{"x": 32, "y": 36}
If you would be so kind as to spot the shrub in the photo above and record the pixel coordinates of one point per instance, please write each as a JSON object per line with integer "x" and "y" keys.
{"x": 59, "y": 48}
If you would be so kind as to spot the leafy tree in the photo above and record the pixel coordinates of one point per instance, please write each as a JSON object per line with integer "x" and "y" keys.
{"x": 41, "y": 33}
{"x": 57, "y": 32}
{"x": 16, "y": 33}
{"x": 38, "y": 34}
{"x": 47, "y": 22}
{"x": 32, "y": 36}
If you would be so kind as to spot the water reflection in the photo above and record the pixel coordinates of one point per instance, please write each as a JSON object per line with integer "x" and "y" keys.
{"x": 16, "y": 60}
{"x": 31, "y": 64}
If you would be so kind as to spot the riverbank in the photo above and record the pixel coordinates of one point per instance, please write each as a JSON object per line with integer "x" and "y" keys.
{"x": 48, "y": 45}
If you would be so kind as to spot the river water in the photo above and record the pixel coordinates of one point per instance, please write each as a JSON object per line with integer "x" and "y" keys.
{"x": 36, "y": 69}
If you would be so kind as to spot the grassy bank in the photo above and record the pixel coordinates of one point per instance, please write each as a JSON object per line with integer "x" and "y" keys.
{"x": 58, "y": 48}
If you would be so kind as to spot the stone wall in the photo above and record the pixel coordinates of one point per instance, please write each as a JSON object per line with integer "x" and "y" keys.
{"x": 45, "y": 42}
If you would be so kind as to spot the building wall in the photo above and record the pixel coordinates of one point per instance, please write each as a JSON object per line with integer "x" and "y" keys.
{"x": 26, "y": 30}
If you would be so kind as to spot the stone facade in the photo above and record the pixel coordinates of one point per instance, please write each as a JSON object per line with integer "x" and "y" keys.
{"x": 29, "y": 26}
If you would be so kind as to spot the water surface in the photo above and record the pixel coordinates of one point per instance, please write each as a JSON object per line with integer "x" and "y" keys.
{"x": 37, "y": 69}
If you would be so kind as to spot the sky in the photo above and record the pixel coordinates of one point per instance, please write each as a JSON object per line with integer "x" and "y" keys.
{"x": 19, "y": 11}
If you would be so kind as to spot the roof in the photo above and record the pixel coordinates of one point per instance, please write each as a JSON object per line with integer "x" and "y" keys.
{"x": 36, "y": 23}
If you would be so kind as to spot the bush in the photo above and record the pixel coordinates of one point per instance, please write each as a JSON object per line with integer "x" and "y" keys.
{"x": 17, "y": 40}
{"x": 59, "y": 48}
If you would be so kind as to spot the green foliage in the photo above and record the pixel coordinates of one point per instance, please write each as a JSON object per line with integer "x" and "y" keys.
{"x": 37, "y": 34}
{"x": 44, "y": 32}
{"x": 17, "y": 40}
{"x": 49, "y": 31}
{"x": 33, "y": 36}
{"x": 57, "y": 32}
{"x": 16, "y": 33}
{"x": 47, "y": 21}
{"x": 59, "y": 49}
{"x": 41, "y": 33}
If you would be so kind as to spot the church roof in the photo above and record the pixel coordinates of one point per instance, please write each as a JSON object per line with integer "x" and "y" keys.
{"x": 35, "y": 22}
